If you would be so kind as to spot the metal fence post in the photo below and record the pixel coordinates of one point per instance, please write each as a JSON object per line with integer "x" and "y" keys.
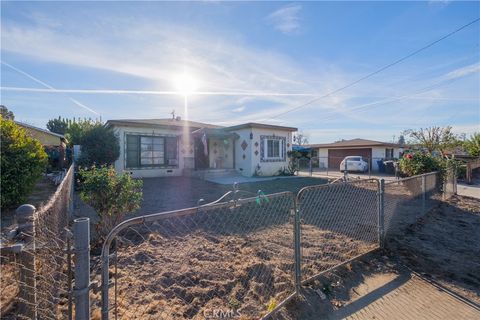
{"x": 297, "y": 247}
{"x": 381, "y": 213}
{"x": 81, "y": 234}
{"x": 72, "y": 190}
{"x": 424, "y": 193}
{"x": 28, "y": 290}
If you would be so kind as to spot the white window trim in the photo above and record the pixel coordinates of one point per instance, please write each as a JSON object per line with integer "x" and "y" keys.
{"x": 280, "y": 151}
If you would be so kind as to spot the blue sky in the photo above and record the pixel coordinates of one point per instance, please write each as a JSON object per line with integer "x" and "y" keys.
{"x": 251, "y": 61}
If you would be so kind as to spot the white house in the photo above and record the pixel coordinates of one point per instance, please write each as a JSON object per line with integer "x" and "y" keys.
{"x": 331, "y": 154}
{"x": 175, "y": 147}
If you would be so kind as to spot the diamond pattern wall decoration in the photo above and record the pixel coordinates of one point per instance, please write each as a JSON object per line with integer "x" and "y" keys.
{"x": 244, "y": 145}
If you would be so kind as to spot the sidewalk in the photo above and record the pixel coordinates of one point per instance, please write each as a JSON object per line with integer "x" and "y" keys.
{"x": 414, "y": 298}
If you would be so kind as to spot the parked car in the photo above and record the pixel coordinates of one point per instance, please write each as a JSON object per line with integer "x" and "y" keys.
{"x": 354, "y": 163}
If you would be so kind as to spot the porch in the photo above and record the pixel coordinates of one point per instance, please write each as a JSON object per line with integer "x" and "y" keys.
{"x": 214, "y": 149}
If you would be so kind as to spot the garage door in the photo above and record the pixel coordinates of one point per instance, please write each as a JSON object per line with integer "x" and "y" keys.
{"x": 335, "y": 156}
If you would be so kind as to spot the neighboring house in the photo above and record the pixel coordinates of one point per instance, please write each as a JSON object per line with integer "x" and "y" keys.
{"x": 174, "y": 147}
{"x": 331, "y": 154}
{"x": 55, "y": 144}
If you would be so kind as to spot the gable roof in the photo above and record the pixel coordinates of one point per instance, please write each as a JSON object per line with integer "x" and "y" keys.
{"x": 29, "y": 126}
{"x": 260, "y": 126}
{"x": 355, "y": 143}
{"x": 160, "y": 123}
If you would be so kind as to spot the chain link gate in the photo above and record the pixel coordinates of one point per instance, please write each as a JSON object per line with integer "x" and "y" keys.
{"x": 233, "y": 258}
{"x": 339, "y": 222}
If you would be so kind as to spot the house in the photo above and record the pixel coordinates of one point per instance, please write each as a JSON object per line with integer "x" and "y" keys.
{"x": 175, "y": 147}
{"x": 331, "y": 154}
{"x": 54, "y": 144}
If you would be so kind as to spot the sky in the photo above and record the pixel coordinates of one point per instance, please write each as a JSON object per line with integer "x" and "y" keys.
{"x": 249, "y": 62}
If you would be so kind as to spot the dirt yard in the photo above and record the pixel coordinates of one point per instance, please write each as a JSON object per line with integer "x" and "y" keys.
{"x": 233, "y": 259}
{"x": 445, "y": 245}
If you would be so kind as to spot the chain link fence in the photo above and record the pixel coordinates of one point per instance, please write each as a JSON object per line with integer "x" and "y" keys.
{"x": 246, "y": 258}
{"x": 331, "y": 166}
{"x": 35, "y": 260}
{"x": 338, "y": 222}
{"x": 407, "y": 200}
{"x": 234, "y": 259}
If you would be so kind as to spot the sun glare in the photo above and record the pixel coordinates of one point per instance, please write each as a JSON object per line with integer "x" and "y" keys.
{"x": 185, "y": 83}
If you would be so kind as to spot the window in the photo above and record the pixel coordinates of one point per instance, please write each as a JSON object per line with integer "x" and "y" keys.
{"x": 389, "y": 153}
{"x": 150, "y": 151}
{"x": 272, "y": 148}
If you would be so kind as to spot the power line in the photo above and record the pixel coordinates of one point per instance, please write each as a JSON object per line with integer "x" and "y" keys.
{"x": 377, "y": 71}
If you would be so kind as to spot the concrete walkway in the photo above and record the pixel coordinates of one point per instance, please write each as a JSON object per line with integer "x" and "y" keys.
{"x": 352, "y": 175}
{"x": 230, "y": 179}
{"x": 406, "y": 299}
{"x": 469, "y": 190}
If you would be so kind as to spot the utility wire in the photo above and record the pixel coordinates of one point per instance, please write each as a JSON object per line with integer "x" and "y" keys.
{"x": 378, "y": 70}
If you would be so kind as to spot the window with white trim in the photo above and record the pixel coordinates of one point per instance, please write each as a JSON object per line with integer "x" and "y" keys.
{"x": 273, "y": 148}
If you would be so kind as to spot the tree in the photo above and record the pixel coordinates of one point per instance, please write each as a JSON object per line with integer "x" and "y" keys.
{"x": 59, "y": 125}
{"x": 434, "y": 138}
{"x": 6, "y": 114}
{"x": 23, "y": 161}
{"x": 401, "y": 140}
{"x": 301, "y": 139}
{"x": 111, "y": 195}
{"x": 73, "y": 129}
{"x": 100, "y": 146}
{"x": 472, "y": 145}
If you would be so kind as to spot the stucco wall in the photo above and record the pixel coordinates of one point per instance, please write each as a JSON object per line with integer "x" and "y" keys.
{"x": 44, "y": 138}
{"x": 220, "y": 153}
{"x": 243, "y": 158}
{"x": 185, "y": 149}
{"x": 269, "y": 168}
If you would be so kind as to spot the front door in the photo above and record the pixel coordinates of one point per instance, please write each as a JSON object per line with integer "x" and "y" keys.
{"x": 201, "y": 160}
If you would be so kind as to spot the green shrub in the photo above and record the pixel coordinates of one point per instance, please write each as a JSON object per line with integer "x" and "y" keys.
{"x": 413, "y": 164}
{"x": 22, "y": 162}
{"x": 100, "y": 146}
{"x": 111, "y": 195}
{"x": 472, "y": 145}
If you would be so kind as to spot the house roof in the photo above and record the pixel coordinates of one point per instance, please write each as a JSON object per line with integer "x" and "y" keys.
{"x": 29, "y": 126}
{"x": 260, "y": 126}
{"x": 192, "y": 124}
{"x": 355, "y": 143}
{"x": 160, "y": 123}
{"x": 215, "y": 132}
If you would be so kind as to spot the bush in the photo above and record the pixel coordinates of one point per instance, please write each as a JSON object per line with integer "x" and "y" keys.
{"x": 472, "y": 145}
{"x": 413, "y": 164}
{"x": 111, "y": 195}
{"x": 100, "y": 146}
{"x": 23, "y": 161}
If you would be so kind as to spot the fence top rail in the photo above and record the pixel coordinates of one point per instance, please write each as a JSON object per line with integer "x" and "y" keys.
{"x": 57, "y": 193}
{"x": 332, "y": 185}
{"x": 187, "y": 212}
{"x": 413, "y": 177}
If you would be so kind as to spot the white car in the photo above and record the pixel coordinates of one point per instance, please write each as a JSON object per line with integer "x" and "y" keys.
{"x": 354, "y": 163}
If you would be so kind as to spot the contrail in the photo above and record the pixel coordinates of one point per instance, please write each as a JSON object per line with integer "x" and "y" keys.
{"x": 153, "y": 92}
{"x": 47, "y": 86}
